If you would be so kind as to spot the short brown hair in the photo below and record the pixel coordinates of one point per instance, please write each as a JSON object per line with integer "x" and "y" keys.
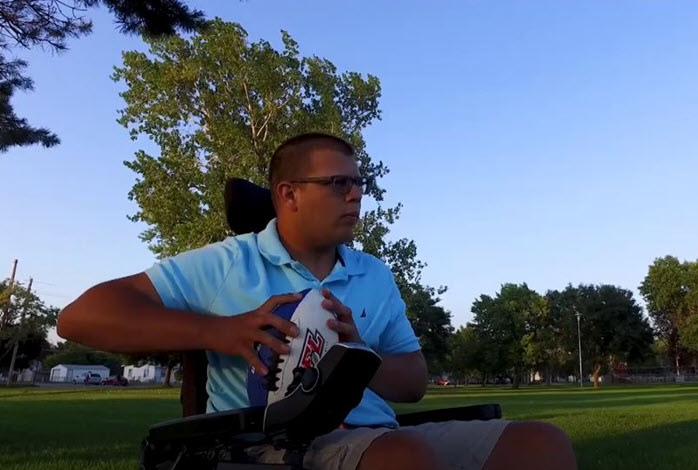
{"x": 290, "y": 158}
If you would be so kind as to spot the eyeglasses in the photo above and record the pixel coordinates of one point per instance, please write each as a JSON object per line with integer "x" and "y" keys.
{"x": 341, "y": 184}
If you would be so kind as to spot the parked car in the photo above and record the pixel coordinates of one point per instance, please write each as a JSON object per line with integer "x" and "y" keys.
{"x": 93, "y": 379}
{"x": 443, "y": 382}
{"x": 116, "y": 380}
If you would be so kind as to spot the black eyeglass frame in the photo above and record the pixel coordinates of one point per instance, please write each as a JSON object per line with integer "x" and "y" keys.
{"x": 340, "y": 183}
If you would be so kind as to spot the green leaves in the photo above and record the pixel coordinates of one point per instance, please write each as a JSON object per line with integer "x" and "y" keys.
{"x": 49, "y": 24}
{"x": 217, "y": 106}
{"x": 671, "y": 292}
{"x": 467, "y": 352}
{"x": 506, "y": 325}
{"x": 24, "y": 318}
{"x": 519, "y": 330}
{"x": 431, "y": 323}
{"x": 16, "y": 131}
{"x": 612, "y": 324}
{"x": 38, "y": 317}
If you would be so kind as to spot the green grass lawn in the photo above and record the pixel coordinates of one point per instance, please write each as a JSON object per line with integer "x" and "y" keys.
{"x": 632, "y": 428}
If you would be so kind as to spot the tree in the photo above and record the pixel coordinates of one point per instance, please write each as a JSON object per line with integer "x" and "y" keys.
{"x": 74, "y": 353}
{"x": 24, "y": 310}
{"x": 507, "y": 325}
{"x": 671, "y": 292}
{"x": 431, "y": 324}
{"x": 613, "y": 328}
{"x": 542, "y": 350}
{"x": 25, "y": 320}
{"x": 467, "y": 354}
{"x": 217, "y": 106}
{"x": 15, "y": 131}
{"x": 31, "y": 348}
{"x": 49, "y": 24}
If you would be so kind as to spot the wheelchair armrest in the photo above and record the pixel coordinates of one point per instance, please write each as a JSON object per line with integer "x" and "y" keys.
{"x": 234, "y": 422}
{"x": 335, "y": 386}
{"x": 464, "y": 413}
{"x": 203, "y": 441}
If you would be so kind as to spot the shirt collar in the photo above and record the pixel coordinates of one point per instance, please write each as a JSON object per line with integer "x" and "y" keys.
{"x": 273, "y": 250}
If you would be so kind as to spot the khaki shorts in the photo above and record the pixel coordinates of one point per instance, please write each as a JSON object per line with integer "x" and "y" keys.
{"x": 464, "y": 445}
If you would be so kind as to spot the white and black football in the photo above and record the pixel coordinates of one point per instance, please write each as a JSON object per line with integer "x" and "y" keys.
{"x": 313, "y": 341}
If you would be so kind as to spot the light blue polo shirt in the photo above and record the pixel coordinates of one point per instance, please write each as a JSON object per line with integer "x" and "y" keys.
{"x": 240, "y": 273}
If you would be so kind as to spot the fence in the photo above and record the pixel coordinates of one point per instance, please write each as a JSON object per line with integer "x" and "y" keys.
{"x": 653, "y": 375}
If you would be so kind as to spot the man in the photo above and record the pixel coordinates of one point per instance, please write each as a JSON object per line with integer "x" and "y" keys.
{"x": 220, "y": 298}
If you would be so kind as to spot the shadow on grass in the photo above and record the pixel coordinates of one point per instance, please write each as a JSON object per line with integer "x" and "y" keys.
{"x": 555, "y": 389}
{"x": 669, "y": 447}
{"x": 571, "y": 405}
{"x": 639, "y": 404}
{"x": 31, "y": 393}
{"x": 77, "y": 457}
{"x": 616, "y": 396}
{"x": 36, "y": 433}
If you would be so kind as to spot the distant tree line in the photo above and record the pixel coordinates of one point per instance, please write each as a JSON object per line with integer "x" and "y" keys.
{"x": 519, "y": 332}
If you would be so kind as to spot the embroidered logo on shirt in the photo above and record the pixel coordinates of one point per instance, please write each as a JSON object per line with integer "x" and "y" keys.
{"x": 363, "y": 314}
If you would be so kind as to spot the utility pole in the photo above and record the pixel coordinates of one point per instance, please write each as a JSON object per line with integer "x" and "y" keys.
{"x": 14, "y": 351}
{"x": 9, "y": 294}
{"x": 579, "y": 338}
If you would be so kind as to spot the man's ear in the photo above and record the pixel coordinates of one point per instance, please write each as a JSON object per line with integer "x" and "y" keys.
{"x": 286, "y": 196}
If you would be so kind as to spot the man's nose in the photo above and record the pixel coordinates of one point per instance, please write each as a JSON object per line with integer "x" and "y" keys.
{"x": 354, "y": 194}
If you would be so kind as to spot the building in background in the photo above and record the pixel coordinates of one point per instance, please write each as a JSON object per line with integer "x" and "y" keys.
{"x": 76, "y": 373}
{"x": 147, "y": 373}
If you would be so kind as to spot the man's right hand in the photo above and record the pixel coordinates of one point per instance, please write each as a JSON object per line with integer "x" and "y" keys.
{"x": 127, "y": 316}
{"x": 239, "y": 335}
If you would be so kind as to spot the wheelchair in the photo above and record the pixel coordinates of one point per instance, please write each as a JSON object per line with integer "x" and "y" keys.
{"x": 317, "y": 402}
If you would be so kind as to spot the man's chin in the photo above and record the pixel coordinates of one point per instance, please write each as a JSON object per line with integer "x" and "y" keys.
{"x": 345, "y": 235}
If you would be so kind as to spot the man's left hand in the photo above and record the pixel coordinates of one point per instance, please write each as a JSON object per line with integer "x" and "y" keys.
{"x": 401, "y": 377}
{"x": 344, "y": 324}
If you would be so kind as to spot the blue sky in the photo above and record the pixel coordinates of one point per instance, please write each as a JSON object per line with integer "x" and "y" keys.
{"x": 540, "y": 142}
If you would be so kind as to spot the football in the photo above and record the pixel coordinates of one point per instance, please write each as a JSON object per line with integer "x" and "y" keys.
{"x": 313, "y": 341}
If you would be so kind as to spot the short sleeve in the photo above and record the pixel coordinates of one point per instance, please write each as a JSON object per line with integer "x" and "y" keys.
{"x": 398, "y": 336}
{"x": 191, "y": 280}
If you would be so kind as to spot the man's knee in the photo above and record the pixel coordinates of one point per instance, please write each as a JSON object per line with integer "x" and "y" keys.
{"x": 400, "y": 450}
{"x": 540, "y": 435}
{"x": 532, "y": 445}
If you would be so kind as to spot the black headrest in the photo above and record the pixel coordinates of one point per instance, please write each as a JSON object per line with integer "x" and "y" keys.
{"x": 248, "y": 207}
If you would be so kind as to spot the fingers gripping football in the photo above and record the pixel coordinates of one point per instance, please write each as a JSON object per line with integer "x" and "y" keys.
{"x": 344, "y": 323}
{"x": 239, "y": 335}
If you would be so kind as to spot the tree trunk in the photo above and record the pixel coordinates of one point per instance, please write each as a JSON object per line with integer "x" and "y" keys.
{"x": 517, "y": 379}
{"x": 484, "y": 378}
{"x": 168, "y": 373}
{"x": 674, "y": 339}
{"x": 548, "y": 375}
{"x": 597, "y": 374}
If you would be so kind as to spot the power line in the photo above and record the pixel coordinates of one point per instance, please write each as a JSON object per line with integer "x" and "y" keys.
{"x": 50, "y": 294}
{"x": 46, "y": 283}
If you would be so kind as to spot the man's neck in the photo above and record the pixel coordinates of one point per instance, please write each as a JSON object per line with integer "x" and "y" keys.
{"x": 318, "y": 260}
